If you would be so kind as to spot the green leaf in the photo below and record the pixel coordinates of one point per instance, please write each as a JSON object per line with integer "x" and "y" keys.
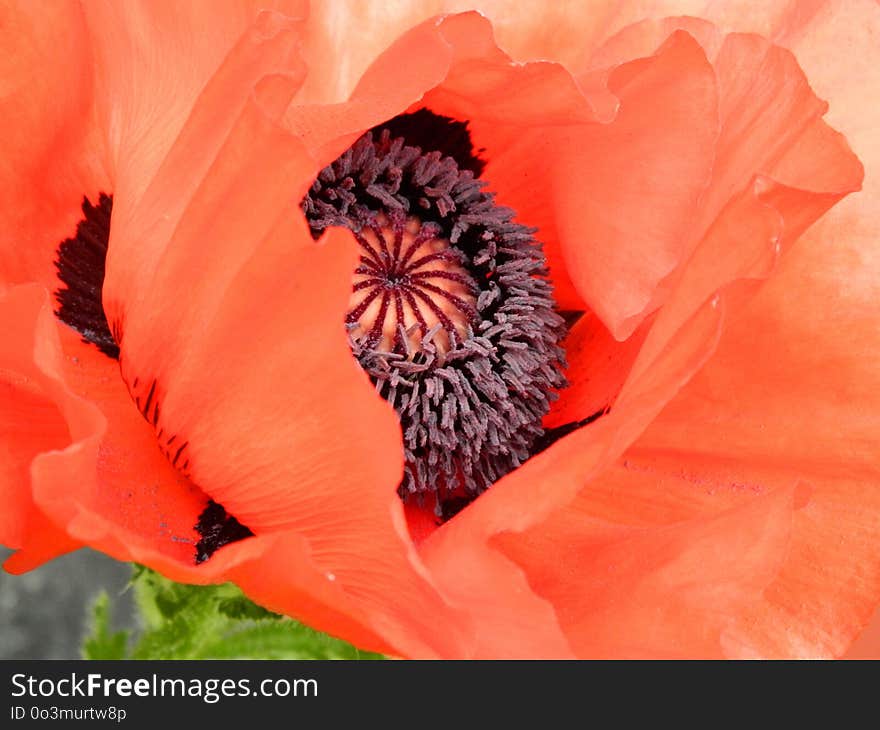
{"x": 282, "y": 639}
{"x": 208, "y": 622}
{"x": 243, "y": 608}
{"x": 101, "y": 643}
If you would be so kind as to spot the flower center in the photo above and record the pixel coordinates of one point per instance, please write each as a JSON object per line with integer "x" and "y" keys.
{"x": 409, "y": 283}
{"x": 451, "y": 313}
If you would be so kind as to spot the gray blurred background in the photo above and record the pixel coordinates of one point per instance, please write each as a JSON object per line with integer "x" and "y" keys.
{"x": 44, "y": 613}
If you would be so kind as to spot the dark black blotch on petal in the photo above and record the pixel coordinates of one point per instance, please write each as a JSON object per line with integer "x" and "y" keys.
{"x": 571, "y": 316}
{"x": 80, "y": 264}
{"x": 451, "y": 506}
{"x": 552, "y": 435}
{"x": 433, "y": 132}
{"x": 217, "y": 528}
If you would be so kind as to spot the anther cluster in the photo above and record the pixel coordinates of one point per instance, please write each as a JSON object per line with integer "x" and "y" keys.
{"x": 451, "y": 315}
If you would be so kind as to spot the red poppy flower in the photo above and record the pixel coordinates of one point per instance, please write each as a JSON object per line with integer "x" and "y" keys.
{"x": 702, "y": 487}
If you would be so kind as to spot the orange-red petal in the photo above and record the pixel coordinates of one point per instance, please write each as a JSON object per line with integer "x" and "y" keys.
{"x": 791, "y": 392}
{"x": 548, "y": 482}
{"x": 51, "y": 154}
{"x": 335, "y": 563}
{"x": 319, "y": 458}
{"x": 151, "y": 60}
{"x": 665, "y": 591}
{"x": 31, "y": 423}
{"x": 614, "y": 201}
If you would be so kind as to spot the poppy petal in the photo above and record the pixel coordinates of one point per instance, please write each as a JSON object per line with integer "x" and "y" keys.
{"x": 867, "y": 646}
{"x": 643, "y": 37}
{"x": 746, "y": 147}
{"x": 465, "y": 546}
{"x": 148, "y": 519}
{"x": 354, "y": 34}
{"x": 559, "y": 168}
{"x": 649, "y": 592}
{"x": 604, "y": 221}
{"x": 569, "y": 33}
{"x": 149, "y": 50}
{"x": 134, "y": 488}
{"x": 50, "y": 152}
{"x": 791, "y": 393}
{"x": 65, "y": 125}
{"x": 31, "y": 423}
{"x": 810, "y": 172}
{"x": 792, "y": 389}
{"x": 358, "y": 31}
{"x": 151, "y": 519}
{"x": 534, "y": 118}
{"x": 397, "y": 78}
{"x": 598, "y": 366}
{"x": 722, "y": 258}
{"x": 323, "y": 456}
{"x": 125, "y": 446}
{"x": 266, "y": 51}
{"x": 110, "y": 443}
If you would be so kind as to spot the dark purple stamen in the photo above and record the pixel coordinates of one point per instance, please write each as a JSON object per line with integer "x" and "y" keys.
{"x": 452, "y": 315}
{"x": 430, "y": 131}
